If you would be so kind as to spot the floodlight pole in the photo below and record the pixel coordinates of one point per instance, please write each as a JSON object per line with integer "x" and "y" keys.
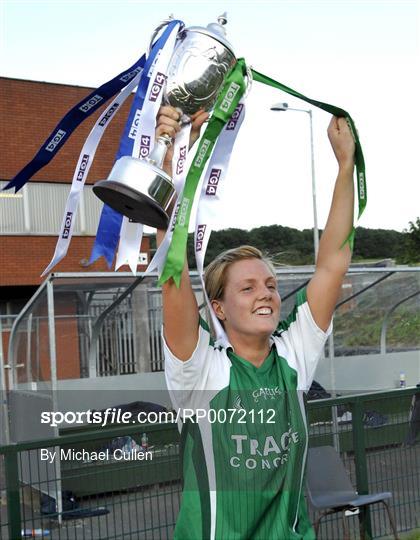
{"x": 285, "y": 107}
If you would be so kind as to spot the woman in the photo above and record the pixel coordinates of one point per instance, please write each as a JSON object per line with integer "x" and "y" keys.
{"x": 244, "y": 450}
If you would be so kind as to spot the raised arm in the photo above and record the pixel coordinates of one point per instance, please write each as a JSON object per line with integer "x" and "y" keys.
{"x": 180, "y": 309}
{"x": 333, "y": 258}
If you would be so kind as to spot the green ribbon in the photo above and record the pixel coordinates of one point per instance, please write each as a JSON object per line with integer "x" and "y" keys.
{"x": 232, "y": 91}
{"x": 229, "y": 97}
{"x": 336, "y": 111}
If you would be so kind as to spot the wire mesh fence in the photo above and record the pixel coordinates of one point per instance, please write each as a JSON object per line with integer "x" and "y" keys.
{"x": 84, "y": 495}
{"x": 97, "y": 492}
{"x": 374, "y": 435}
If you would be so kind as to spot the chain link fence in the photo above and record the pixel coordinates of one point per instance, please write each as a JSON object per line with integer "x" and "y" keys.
{"x": 114, "y": 499}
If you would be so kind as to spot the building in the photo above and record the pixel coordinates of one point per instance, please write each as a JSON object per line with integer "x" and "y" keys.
{"x": 30, "y": 220}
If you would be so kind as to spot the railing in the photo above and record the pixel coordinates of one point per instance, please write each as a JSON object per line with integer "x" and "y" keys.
{"x": 376, "y": 440}
{"x": 119, "y": 334}
{"x": 140, "y": 499}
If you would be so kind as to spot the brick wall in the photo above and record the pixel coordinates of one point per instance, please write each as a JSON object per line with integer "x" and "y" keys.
{"x": 24, "y": 258}
{"x": 66, "y": 345}
{"x": 30, "y": 110}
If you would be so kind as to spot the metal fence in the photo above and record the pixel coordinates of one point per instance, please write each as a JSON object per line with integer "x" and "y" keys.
{"x": 116, "y": 354}
{"x": 375, "y": 434}
{"x": 154, "y": 300}
{"x": 369, "y": 295}
{"x": 111, "y": 499}
{"x": 116, "y": 321}
{"x": 155, "y": 324}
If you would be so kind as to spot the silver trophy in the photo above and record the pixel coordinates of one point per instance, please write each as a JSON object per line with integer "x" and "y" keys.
{"x": 139, "y": 188}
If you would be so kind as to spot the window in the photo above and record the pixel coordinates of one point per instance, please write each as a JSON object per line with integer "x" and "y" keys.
{"x": 38, "y": 208}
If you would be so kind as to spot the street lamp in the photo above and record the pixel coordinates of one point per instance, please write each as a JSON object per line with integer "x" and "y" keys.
{"x": 285, "y": 107}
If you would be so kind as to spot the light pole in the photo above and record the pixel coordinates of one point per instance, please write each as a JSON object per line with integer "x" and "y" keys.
{"x": 285, "y": 107}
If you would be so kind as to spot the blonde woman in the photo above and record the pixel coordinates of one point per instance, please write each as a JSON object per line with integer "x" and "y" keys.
{"x": 244, "y": 450}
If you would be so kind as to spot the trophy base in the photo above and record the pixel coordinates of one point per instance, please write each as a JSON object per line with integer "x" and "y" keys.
{"x": 138, "y": 190}
{"x": 136, "y": 206}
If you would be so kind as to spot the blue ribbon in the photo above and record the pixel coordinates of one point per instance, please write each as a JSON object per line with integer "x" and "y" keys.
{"x": 108, "y": 233}
{"x": 65, "y": 127}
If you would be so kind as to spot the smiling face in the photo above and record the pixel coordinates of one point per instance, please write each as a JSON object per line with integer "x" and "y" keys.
{"x": 250, "y": 306}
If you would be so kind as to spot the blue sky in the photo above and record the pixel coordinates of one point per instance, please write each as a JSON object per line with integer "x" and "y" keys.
{"x": 362, "y": 56}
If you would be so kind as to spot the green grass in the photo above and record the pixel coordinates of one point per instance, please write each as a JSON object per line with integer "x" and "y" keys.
{"x": 412, "y": 535}
{"x": 363, "y": 328}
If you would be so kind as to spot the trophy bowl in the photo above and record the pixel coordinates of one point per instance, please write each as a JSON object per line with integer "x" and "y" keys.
{"x": 139, "y": 188}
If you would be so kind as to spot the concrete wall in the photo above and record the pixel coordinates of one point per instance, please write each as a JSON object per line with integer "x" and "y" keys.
{"x": 102, "y": 392}
{"x": 353, "y": 374}
{"x": 371, "y": 372}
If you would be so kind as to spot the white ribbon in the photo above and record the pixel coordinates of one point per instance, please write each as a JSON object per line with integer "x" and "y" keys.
{"x": 145, "y": 135}
{"x": 179, "y": 174}
{"x": 82, "y": 169}
{"x": 209, "y": 202}
{"x": 179, "y": 159}
{"x": 131, "y": 234}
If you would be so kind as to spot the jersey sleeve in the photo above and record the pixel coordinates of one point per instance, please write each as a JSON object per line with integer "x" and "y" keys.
{"x": 303, "y": 340}
{"x": 187, "y": 380}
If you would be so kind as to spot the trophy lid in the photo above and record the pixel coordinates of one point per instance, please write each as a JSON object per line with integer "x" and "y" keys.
{"x": 215, "y": 30}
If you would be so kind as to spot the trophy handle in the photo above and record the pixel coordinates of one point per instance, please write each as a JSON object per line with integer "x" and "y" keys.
{"x": 163, "y": 142}
{"x": 157, "y": 156}
{"x": 156, "y": 31}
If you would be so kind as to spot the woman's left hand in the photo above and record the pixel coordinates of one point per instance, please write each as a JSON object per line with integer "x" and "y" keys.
{"x": 342, "y": 141}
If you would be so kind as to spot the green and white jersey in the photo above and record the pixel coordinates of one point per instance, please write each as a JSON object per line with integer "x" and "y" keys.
{"x": 244, "y": 452}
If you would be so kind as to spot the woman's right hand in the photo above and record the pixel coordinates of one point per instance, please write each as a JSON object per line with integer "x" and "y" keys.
{"x": 180, "y": 309}
{"x": 168, "y": 122}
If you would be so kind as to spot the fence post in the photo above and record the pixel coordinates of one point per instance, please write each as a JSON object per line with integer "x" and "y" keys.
{"x": 360, "y": 461}
{"x": 13, "y": 493}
